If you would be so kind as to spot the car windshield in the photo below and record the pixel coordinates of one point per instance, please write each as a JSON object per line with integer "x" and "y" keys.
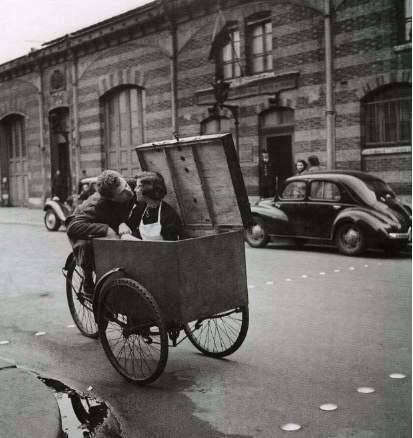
{"x": 381, "y": 190}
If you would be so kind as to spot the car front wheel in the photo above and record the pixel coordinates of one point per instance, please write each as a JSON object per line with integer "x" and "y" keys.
{"x": 351, "y": 240}
{"x": 255, "y": 235}
{"x": 51, "y": 220}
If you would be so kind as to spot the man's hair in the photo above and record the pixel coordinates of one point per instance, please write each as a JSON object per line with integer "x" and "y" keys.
{"x": 153, "y": 185}
{"x": 313, "y": 160}
{"x": 107, "y": 181}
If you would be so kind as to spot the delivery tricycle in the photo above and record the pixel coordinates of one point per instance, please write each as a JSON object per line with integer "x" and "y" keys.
{"x": 148, "y": 293}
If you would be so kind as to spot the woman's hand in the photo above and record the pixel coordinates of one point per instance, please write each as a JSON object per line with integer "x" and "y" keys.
{"x": 124, "y": 229}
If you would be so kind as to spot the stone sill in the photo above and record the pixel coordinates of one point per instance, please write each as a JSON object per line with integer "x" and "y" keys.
{"x": 402, "y": 47}
{"x": 387, "y": 150}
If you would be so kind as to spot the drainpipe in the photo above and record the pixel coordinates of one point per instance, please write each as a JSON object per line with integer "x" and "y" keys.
{"x": 330, "y": 110}
{"x": 42, "y": 145}
{"x": 174, "y": 77}
{"x": 75, "y": 136}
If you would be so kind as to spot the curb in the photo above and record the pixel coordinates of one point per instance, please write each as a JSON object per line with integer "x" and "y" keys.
{"x": 28, "y": 408}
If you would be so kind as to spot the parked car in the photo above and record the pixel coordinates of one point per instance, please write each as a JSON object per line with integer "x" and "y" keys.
{"x": 57, "y": 211}
{"x": 352, "y": 209}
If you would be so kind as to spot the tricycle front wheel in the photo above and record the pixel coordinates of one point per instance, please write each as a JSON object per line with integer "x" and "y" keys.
{"x": 219, "y": 335}
{"x": 132, "y": 331}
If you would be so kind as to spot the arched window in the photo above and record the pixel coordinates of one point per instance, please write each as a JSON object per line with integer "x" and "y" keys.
{"x": 123, "y": 110}
{"x": 387, "y": 116}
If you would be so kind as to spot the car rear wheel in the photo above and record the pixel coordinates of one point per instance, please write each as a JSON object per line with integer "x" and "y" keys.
{"x": 51, "y": 220}
{"x": 351, "y": 240}
{"x": 255, "y": 235}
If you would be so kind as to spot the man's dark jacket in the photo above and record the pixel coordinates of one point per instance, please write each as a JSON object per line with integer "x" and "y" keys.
{"x": 95, "y": 216}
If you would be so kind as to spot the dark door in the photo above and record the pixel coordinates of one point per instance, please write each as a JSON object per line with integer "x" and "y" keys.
{"x": 59, "y": 147}
{"x": 63, "y": 163}
{"x": 292, "y": 203}
{"x": 324, "y": 204}
{"x": 279, "y": 149}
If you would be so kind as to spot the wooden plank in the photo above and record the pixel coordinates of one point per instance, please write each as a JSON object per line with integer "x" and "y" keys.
{"x": 212, "y": 275}
{"x": 237, "y": 181}
{"x": 203, "y": 177}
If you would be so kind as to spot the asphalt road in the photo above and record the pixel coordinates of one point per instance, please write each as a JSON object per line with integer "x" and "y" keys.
{"x": 322, "y": 325}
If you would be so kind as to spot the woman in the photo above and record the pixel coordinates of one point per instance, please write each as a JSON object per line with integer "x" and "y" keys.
{"x": 301, "y": 166}
{"x": 152, "y": 218}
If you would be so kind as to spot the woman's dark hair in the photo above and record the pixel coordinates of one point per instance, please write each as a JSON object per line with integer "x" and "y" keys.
{"x": 153, "y": 185}
{"x": 303, "y": 162}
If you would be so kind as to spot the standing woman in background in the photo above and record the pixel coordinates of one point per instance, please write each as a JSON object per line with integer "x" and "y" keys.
{"x": 301, "y": 166}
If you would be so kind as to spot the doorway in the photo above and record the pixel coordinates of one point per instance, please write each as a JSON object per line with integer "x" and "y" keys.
{"x": 279, "y": 148}
{"x": 59, "y": 148}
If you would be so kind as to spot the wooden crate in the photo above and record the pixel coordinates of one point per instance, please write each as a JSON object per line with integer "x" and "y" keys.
{"x": 205, "y": 273}
{"x": 189, "y": 279}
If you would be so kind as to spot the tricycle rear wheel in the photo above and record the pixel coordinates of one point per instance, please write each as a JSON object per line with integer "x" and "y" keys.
{"x": 80, "y": 307}
{"x": 219, "y": 335}
{"x": 132, "y": 331}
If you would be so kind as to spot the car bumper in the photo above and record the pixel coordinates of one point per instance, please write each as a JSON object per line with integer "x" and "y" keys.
{"x": 401, "y": 236}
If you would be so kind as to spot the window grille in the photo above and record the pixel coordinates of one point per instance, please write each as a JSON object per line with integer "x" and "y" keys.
{"x": 231, "y": 55}
{"x": 260, "y": 47}
{"x": 387, "y": 117}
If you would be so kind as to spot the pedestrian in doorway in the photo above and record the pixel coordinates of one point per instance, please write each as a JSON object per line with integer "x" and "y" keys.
{"x": 314, "y": 163}
{"x": 301, "y": 166}
{"x": 267, "y": 175}
{"x": 58, "y": 185}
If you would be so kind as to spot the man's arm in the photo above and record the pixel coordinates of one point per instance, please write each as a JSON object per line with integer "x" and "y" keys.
{"x": 86, "y": 224}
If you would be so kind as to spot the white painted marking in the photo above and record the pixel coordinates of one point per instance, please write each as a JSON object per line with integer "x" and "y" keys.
{"x": 290, "y": 427}
{"x": 366, "y": 266}
{"x": 365, "y": 390}
{"x": 251, "y": 286}
{"x": 397, "y": 376}
{"x": 4, "y": 342}
{"x": 328, "y": 407}
{"x": 288, "y": 279}
{"x": 40, "y": 333}
{"x": 336, "y": 270}
{"x": 304, "y": 276}
{"x": 71, "y": 326}
{"x": 352, "y": 268}
{"x": 322, "y": 273}
{"x": 269, "y": 282}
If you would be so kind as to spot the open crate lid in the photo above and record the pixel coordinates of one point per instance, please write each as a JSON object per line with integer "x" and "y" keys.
{"x": 204, "y": 180}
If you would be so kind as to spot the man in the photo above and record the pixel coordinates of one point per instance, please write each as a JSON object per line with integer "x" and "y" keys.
{"x": 314, "y": 163}
{"x": 267, "y": 176}
{"x": 101, "y": 215}
{"x": 58, "y": 186}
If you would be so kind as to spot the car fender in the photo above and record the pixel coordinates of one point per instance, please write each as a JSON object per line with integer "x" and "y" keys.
{"x": 270, "y": 215}
{"x": 57, "y": 208}
{"x": 376, "y": 225}
{"x": 111, "y": 275}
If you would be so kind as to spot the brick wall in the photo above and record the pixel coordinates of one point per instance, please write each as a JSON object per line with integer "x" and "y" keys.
{"x": 365, "y": 35}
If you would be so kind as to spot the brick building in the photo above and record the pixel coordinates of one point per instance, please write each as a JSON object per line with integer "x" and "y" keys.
{"x": 84, "y": 101}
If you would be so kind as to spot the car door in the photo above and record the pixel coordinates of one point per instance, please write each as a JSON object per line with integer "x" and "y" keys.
{"x": 323, "y": 206}
{"x": 291, "y": 202}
